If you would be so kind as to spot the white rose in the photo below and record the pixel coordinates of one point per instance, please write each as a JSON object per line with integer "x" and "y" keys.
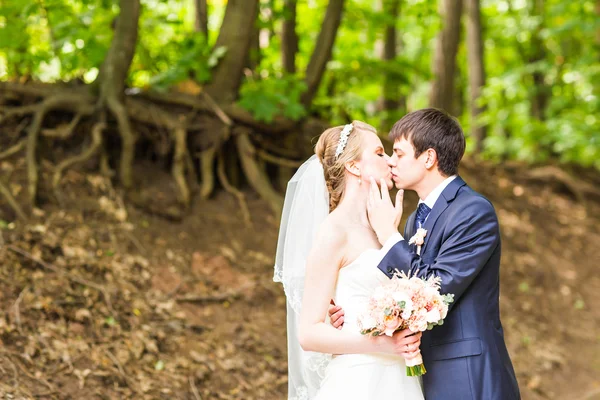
{"x": 444, "y": 311}
{"x": 368, "y": 322}
{"x": 433, "y": 315}
{"x": 401, "y": 296}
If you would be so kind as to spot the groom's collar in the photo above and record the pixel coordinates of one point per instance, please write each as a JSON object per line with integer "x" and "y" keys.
{"x": 448, "y": 194}
{"x": 452, "y": 189}
{"x": 437, "y": 191}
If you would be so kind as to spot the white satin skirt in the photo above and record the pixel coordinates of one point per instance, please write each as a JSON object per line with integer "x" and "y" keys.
{"x": 369, "y": 376}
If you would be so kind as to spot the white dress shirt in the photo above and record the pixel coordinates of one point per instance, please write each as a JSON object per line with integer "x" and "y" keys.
{"x": 429, "y": 201}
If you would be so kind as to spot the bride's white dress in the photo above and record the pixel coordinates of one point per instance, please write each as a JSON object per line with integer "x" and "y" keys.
{"x": 365, "y": 376}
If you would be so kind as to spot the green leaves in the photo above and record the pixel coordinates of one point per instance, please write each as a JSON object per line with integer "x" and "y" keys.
{"x": 194, "y": 59}
{"x": 546, "y": 54}
{"x": 448, "y": 298}
{"x": 53, "y": 39}
{"x": 271, "y": 97}
{"x": 557, "y": 46}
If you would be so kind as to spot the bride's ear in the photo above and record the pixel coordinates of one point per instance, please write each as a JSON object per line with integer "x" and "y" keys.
{"x": 353, "y": 167}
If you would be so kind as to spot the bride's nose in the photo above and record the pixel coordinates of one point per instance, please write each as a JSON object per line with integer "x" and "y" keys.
{"x": 391, "y": 161}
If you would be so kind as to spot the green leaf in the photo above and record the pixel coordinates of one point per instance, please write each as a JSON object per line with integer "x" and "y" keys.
{"x": 579, "y": 304}
{"x": 524, "y": 287}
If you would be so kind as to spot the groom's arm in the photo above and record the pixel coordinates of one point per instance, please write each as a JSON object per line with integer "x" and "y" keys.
{"x": 473, "y": 235}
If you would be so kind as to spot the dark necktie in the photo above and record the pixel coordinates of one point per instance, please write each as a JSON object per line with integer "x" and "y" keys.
{"x": 422, "y": 213}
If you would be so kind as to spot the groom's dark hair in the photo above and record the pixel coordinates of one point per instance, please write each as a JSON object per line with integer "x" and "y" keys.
{"x": 431, "y": 128}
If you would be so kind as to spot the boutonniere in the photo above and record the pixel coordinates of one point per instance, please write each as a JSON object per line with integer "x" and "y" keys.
{"x": 418, "y": 239}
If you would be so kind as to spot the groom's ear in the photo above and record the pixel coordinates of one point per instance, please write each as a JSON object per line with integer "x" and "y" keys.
{"x": 431, "y": 158}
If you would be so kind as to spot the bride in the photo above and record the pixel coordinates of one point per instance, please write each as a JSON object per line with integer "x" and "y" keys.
{"x": 327, "y": 252}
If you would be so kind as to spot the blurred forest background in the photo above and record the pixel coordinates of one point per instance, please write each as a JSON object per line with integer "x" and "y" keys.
{"x": 145, "y": 147}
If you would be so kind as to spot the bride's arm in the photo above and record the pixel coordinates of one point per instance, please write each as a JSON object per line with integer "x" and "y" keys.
{"x": 322, "y": 269}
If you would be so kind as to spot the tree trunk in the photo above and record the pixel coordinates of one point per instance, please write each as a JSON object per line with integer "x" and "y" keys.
{"x": 115, "y": 68}
{"x": 289, "y": 49}
{"x": 323, "y": 49}
{"x": 289, "y": 38}
{"x": 112, "y": 77}
{"x": 253, "y": 56}
{"x": 391, "y": 99}
{"x": 476, "y": 69}
{"x": 236, "y": 36}
{"x": 460, "y": 87}
{"x": 541, "y": 92}
{"x": 444, "y": 66}
{"x": 201, "y": 20}
{"x": 598, "y": 29}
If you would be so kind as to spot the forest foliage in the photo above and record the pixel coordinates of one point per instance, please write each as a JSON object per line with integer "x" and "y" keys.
{"x": 539, "y": 101}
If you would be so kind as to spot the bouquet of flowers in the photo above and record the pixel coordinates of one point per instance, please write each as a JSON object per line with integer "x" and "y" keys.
{"x": 405, "y": 302}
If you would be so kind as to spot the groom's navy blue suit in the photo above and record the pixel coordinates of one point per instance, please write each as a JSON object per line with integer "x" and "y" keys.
{"x": 466, "y": 358}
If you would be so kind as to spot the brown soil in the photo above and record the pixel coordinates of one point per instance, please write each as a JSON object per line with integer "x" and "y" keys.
{"x": 154, "y": 309}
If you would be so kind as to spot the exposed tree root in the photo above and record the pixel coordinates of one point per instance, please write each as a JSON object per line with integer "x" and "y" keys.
{"x": 233, "y": 112}
{"x": 145, "y": 112}
{"x": 207, "y": 161}
{"x": 58, "y": 101}
{"x": 284, "y": 162}
{"x": 13, "y": 150}
{"x": 63, "y": 132}
{"x": 229, "y": 188}
{"x": 12, "y": 202}
{"x": 128, "y": 140}
{"x": 217, "y": 110}
{"x": 255, "y": 175}
{"x": 84, "y": 156}
{"x": 179, "y": 165}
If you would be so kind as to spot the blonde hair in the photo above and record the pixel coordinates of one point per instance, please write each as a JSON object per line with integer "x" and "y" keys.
{"x": 335, "y": 168}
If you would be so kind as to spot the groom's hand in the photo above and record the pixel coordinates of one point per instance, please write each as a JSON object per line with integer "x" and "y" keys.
{"x": 336, "y": 315}
{"x": 383, "y": 215}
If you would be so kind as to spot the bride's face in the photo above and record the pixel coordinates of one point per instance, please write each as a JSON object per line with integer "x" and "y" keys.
{"x": 374, "y": 161}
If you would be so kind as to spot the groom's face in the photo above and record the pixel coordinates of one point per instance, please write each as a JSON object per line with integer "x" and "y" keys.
{"x": 407, "y": 171}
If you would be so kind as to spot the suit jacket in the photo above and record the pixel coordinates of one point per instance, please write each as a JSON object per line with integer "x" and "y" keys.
{"x": 466, "y": 357}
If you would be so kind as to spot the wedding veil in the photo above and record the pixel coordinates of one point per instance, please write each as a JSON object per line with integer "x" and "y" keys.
{"x": 306, "y": 205}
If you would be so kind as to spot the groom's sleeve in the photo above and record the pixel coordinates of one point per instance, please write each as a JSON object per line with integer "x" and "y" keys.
{"x": 473, "y": 235}
{"x": 391, "y": 242}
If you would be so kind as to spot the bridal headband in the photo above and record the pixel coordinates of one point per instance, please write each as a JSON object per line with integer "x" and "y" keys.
{"x": 343, "y": 140}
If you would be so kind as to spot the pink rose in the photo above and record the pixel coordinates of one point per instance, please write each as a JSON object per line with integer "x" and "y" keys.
{"x": 391, "y": 323}
{"x": 419, "y": 324}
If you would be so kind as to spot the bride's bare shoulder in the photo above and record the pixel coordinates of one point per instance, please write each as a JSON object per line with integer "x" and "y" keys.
{"x": 331, "y": 233}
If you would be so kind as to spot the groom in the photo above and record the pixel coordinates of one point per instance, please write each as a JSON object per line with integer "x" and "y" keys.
{"x": 466, "y": 358}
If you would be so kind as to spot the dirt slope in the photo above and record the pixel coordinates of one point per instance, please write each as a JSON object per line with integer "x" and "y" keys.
{"x": 103, "y": 301}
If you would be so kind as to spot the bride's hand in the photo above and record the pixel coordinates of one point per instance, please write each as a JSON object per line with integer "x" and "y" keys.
{"x": 384, "y": 217}
{"x": 404, "y": 343}
{"x": 399, "y": 206}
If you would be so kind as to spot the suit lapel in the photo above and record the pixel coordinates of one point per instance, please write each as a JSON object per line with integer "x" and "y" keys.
{"x": 410, "y": 225}
{"x": 440, "y": 205}
{"x": 409, "y": 229}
